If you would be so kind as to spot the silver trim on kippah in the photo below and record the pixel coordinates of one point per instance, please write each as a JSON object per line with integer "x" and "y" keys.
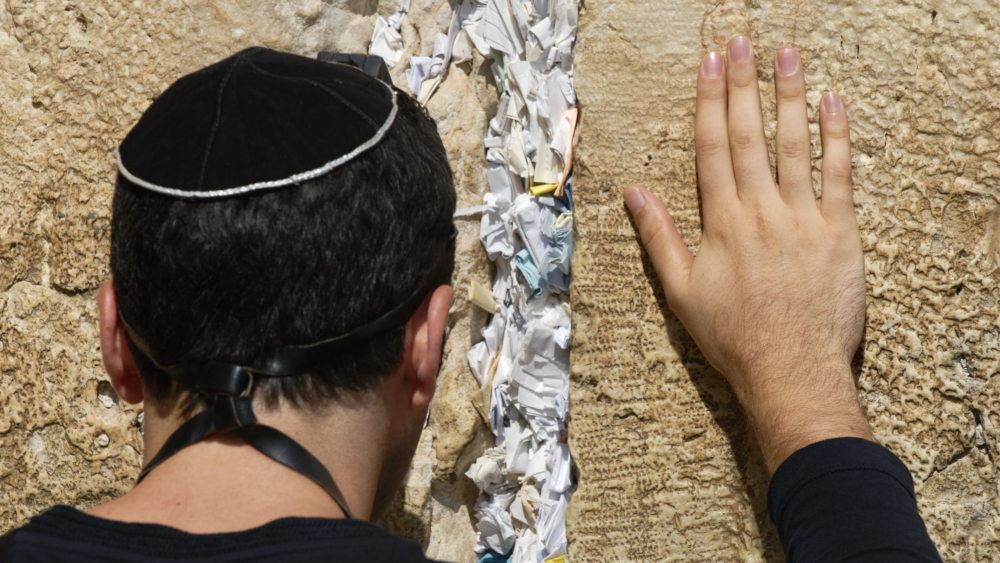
{"x": 293, "y": 179}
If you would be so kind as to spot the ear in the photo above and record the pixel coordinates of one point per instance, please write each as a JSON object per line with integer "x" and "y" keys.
{"x": 427, "y": 327}
{"x": 114, "y": 348}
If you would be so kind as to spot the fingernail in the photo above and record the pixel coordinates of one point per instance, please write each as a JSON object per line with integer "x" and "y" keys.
{"x": 739, "y": 49}
{"x": 712, "y": 65}
{"x": 832, "y": 103}
{"x": 634, "y": 200}
{"x": 788, "y": 63}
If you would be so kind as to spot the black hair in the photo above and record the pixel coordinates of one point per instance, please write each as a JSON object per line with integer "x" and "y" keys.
{"x": 229, "y": 279}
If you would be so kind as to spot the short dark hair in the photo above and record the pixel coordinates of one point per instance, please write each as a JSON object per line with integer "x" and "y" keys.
{"x": 229, "y": 279}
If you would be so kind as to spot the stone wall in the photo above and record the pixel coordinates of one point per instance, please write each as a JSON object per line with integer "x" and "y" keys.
{"x": 668, "y": 471}
{"x": 74, "y": 77}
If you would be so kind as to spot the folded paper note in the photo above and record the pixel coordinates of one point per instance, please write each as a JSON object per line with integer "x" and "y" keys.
{"x": 482, "y": 297}
{"x": 526, "y": 265}
{"x": 539, "y": 189}
{"x": 386, "y": 40}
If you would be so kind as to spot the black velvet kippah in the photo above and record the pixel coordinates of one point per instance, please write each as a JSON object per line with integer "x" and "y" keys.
{"x": 257, "y": 120}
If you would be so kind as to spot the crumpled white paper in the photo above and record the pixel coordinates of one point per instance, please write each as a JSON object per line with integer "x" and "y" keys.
{"x": 495, "y": 529}
{"x": 489, "y": 472}
{"x": 526, "y": 343}
{"x": 527, "y": 479}
{"x": 386, "y": 40}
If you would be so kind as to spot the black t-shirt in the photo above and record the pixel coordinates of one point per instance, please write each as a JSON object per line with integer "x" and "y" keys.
{"x": 838, "y": 500}
{"x": 64, "y": 535}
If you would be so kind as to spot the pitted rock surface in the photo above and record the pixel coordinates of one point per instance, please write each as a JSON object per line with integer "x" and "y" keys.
{"x": 74, "y": 78}
{"x": 668, "y": 468}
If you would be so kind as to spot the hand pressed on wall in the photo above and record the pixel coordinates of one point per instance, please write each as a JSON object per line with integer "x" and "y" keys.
{"x": 775, "y": 298}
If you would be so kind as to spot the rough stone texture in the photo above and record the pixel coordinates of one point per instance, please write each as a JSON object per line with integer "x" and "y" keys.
{"x": 66, "y": 436}
{"x": 668, "y": 470}
{"x": 74, "y": 77}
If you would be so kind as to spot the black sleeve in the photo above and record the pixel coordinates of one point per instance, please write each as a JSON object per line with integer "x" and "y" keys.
{"x": 7, "y": 547}
{"x": 847, "y": 499}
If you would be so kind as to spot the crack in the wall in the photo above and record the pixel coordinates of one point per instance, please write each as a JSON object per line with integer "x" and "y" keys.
{"x": 980, "y": 440}
{"x": 710, "y": 7}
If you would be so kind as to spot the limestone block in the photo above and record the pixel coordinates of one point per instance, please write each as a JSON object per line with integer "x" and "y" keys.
{"x": 66, "y": 438}
{"x": 668, "y": 468}
{"x": 74, "y": 78}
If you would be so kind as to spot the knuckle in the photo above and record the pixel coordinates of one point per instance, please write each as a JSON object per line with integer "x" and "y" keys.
{"x": 722, "y": 225}
{"x": 763, "y": 222}
{"x": 743, "y": 139}
{"x": 710, "y": 145}
{"x": 837, "y": 172}
{"x": 838, "y": 131}
{"x": 743, "y": 77}
{"x": 651, "y": 232}
{"x": 792, "y": 149}
{"x": 791, "y": 93}
{"x": 713, "y": 89}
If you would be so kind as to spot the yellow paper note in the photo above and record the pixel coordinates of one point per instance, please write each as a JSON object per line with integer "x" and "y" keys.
{"x": 539, "y": 189}
{"x": 427, "y": 89}
{"x": 482, "y": 399}
{"x": 483, "y": 297}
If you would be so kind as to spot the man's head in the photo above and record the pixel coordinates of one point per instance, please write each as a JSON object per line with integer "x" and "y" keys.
{"x": 231, "y": 278}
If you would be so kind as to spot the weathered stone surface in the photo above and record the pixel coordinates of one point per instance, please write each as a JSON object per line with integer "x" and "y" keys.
{"x": 66, "y": 436}
{"x": 74, "y": 78}
{"x": 668, "y": 469}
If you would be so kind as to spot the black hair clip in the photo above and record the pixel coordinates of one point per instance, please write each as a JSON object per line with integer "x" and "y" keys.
{"x": 373, "y": 65}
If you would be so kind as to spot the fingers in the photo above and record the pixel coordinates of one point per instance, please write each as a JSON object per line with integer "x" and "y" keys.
{"x": 751, "y": 165}
{"x": 838, "y": 200}
{"x": 792, "y": 147}
{"x": 711, "y": 135}
{"x": 659, "y": 235}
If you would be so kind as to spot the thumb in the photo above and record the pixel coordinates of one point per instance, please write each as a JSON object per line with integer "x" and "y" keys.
{"x": 659, "y": 235}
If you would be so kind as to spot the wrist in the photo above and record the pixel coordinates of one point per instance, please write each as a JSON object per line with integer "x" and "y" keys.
{"x": 790, "y": 412}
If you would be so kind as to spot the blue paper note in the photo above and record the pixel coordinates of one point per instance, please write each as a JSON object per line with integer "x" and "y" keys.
{"x": 558, "y": 260}
{"x": 529, "y": 270}
{"x": 494, "y": 557}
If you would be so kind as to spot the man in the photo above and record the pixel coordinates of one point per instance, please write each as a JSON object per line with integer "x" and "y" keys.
{"x": 282, "y": 249}
{"x": 281, "y": 254}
